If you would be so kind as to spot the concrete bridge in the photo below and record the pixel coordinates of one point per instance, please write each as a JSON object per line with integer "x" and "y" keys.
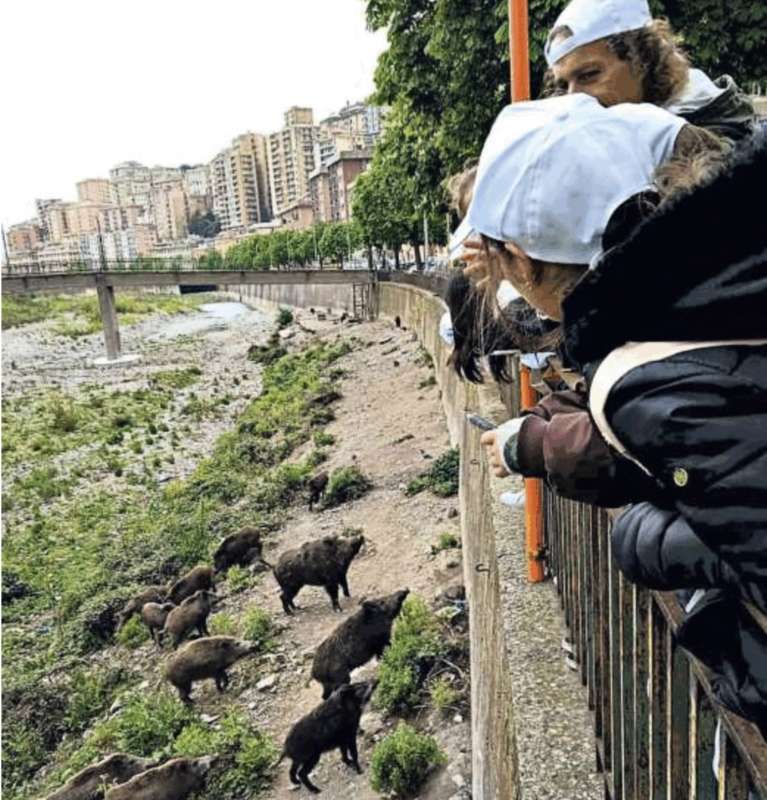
{"x": 105, "y": 282}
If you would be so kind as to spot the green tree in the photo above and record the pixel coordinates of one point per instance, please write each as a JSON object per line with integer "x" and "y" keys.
{"x": 206, "y": 225}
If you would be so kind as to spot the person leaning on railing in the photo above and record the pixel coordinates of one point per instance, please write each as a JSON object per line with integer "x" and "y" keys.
{"x": 691, "y": 416}
{"x": 615, "y": 51}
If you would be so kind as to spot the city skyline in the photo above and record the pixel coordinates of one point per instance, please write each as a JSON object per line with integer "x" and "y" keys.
{"x": 296, "y": 65}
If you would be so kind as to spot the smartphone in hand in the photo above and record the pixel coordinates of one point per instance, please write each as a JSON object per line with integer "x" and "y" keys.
{"x": 480, "y": 422}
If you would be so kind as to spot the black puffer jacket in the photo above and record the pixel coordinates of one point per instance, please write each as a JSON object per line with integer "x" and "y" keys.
{"x": 696, "y": 272}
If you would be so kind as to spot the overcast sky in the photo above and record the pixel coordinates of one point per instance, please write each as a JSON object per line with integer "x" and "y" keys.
{"x": 89, "y": 83}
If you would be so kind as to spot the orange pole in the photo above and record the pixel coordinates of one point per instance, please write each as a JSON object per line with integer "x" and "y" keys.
{"x": 519, "y": 50}
{"x": 533, "y": 497}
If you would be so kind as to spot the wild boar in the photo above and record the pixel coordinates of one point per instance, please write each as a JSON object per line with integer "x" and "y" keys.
{"x": 205, "y": 658}
{"x": 197, "y": 578}
{"x": 174, "y": 780}
{"x": 356, "y": 640}
{"x": 324, "y": 562}
{"x": 242, "y": 549}
{"x": 152, "y": 594}
{"x": 89, "y": 783}
{"x": 192, "y": 613}
{"x": 154, "y": 616}
{"x": 333, "y": 723}
{"x": 317, "y": 486}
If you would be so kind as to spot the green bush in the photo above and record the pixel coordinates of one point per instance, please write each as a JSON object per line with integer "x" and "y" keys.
{"x": 415, "y": 644}
{"x": 443, "y": 477}
{"x": 258, "y": 627}
{"x": 237, "y": 579}
{"x": 284, "y": 317}
{"x": 268, "y": 353}
{"x": 345, "y": 484}
{"x": 223, "y": 625}
{"x": 322, "y": 439}
{"x": 402, "y": 761}
{"x": 446, "y": 541}
{"x": 444, "y": 696}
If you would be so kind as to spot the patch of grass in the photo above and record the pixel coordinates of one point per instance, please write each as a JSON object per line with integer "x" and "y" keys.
{"x": 223, "y": 624}
{"x": 401, "y": 762}
{"x": 133, "y": 634}
{"x": 322, "y": 439}
{"x": 237, "y": 579}
{"x": 345, "y": 484}
{"x": 267, "y": 353}
{"x": 444, "y": 696}
{"x": 415, "y": 645}
{"x": 442, "y": 478}
{"x": 247, "y": 756}
{"x": 446, "y": 541}
{"x": 175, "y": 378}
{"x": 257, "y": 627}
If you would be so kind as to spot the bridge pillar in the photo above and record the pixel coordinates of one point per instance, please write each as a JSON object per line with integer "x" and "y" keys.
{"x": 109, "y": 319}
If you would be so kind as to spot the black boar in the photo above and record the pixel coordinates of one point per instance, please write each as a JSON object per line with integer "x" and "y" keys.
{"x": 324, "y": 562}
{"x": 89, "y": 783}
{"x": 317, "y": 487}
{"x": 334, "y": 723}
{"x": 205, "y": 658}
{"x": 356, "y": 640}
{"x": 154, "y": 616}
{"x": 174, "y": 780}
{"x": 192, "y": 613}
{"x": 241, "y": 548}
{"x": 152, "y": 594}
{"x": 194, "y": 580}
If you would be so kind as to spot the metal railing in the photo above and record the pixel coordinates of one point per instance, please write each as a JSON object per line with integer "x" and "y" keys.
{"x": 654, "y": 713}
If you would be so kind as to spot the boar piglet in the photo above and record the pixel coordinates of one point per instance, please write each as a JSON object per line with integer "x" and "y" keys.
{"x": 197, "y": 578}
{"x": 240, "y": 549}
{"x": 89, "y": 783}
{"x": 321, "y": 563}
{"x": 154, "y": 616}
{"x": 174, "y": 780}
{"x": 356, "y": 640}
{"x": 333, "y": 723}
{"x": 152, "y": 594}
{"x": 192, "y": 613}
{"x": 317, "y": 486}
{"x": 205, "y": 658}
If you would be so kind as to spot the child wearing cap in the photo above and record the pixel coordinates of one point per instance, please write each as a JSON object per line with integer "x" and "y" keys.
{"x": 615, "y": 51}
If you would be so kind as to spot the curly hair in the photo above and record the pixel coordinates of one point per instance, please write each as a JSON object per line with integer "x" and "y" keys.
{"x": 698, "y": 153}
{"x": 654, "y": 52}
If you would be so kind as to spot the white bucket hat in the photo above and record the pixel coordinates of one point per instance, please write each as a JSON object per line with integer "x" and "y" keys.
{"x": 591, "y": 20}
{"x": 553, "y": 171}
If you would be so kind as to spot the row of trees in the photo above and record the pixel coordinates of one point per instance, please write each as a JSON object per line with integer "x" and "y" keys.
{"x": 445, "y": 78}
{"x": 322, "y": 244}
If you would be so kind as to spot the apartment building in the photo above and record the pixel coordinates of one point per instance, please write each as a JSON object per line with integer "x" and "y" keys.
{"x": 95, "y": 190}
{"x": 330, "y": 186}
{"x": 197, "y": 181}
{"x": 170, "y": 209}
{"x": 292, "y": 159}
{"x": 42, "y": 207}
{"x": 362, "y": 123}
{"x": 131, "y": 183}
{"x": 239, "y": 183}
{"x": 23, "y": 238}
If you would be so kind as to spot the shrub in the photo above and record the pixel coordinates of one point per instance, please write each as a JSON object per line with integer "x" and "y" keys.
{"x": 446, "y": 541}
{"x": 443, "y": 477}
{"x": 284, "y": 317}
{"x": 415, "y": 645}
{"x": 345, "y": 484}
{"x": 246, "y": 756}
{"x": 268, "y": 353}
{"x": 401, "y": 762}
{"x": 258, "y": 627}
{"x": 444, "y": 695}
{"x": 133, "y": 634}
{"x": 223, "y": 625}
{"x": 237, "y": 579}
{"x": 322, "y": 439}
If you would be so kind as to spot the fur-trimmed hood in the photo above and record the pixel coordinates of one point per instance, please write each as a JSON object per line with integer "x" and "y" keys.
{"x": 694, "y": 271}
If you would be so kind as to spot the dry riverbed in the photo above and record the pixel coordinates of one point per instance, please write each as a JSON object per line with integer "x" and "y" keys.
{"x": 388, "y": 422}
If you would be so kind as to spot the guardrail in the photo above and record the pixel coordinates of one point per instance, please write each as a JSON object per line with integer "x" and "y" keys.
{"x": 655, "y": 718}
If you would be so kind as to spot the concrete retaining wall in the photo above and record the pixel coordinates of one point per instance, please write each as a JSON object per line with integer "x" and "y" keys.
{"x": 269, "y": 297}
